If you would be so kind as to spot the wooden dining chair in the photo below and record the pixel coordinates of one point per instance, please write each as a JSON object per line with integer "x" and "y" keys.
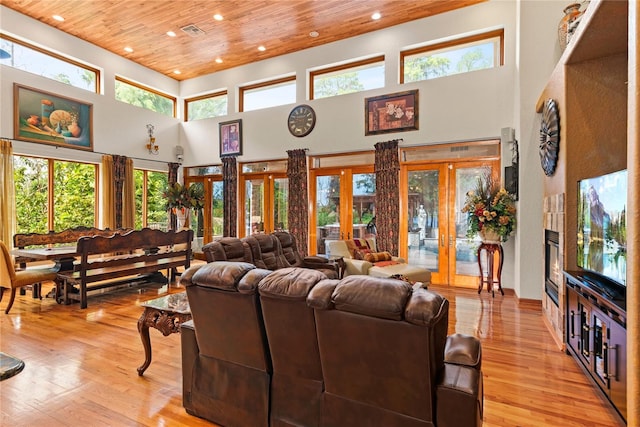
{"x": 12, "y": 279}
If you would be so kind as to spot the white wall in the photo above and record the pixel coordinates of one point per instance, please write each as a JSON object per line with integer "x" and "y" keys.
{"x": 463, "y": 107}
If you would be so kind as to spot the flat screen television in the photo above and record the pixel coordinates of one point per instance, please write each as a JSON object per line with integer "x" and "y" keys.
{"x": 602, "y": 227}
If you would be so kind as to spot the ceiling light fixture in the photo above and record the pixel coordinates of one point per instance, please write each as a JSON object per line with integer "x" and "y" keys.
{"x": 177, "y": 72}
{"x": 128, "y": 49}
{"x": 171, "y": 34}
{"x": 219, "y": 60}
{"x": 314, "y": 34}
{"x": 376, "y": 16}
{"x": 58, "y": 18}
{"x": 262, "y": 48}
{"x": 218, "y": 17}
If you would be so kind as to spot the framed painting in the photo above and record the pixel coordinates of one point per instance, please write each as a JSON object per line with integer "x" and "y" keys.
{"x": 397, "y": 112}
{"x": 231, "y": 138}
{"x": 47, "y": 118}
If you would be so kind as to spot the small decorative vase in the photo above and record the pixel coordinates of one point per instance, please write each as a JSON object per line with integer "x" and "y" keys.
{"x": 74, "y": 129}
{"x": 571, "y": 13}
{"x": 489, "y": 235}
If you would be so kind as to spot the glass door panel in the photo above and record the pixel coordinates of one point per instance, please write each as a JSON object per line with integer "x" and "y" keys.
{"x": 327, "y": 207}
{"x": 254, "y": 206}
{"x": 464, "y": 265}
{"x": 423, "y": 213}
{"x": 216, "y": 202}
{"x": 364, "y": 205}
{"x": 280, "y": 204}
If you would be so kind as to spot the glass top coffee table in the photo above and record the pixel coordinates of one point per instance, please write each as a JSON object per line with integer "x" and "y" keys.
{"x": 165, "y": 314}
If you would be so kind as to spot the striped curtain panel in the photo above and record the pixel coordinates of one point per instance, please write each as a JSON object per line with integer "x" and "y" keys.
{"x": 230, "y": 196}
{"x": 387, "y": 167}
{"x": 298, "y": 211}
{"x": 8, "y": 221}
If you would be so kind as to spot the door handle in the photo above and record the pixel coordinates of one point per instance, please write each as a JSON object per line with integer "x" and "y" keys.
{"x": 451, "y": 241}
{"x": 442, "y": 237}
{"x": 348, "y": 236}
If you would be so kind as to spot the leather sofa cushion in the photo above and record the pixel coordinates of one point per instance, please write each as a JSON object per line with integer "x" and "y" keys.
{"x": 320, "y": 295}
{"x": 290, "y": 283}
{"x": 221, "y": 274}
{"x": 383, "y": 298}
{"x": 425, "y": 307}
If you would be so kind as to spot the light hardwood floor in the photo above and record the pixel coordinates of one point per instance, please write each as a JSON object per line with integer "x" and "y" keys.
{"x": 81, "y": 365}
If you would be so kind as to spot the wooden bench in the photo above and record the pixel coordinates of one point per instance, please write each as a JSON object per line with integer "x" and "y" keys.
{"x": 138, "y": 256}
{"x": 53, "y": 238}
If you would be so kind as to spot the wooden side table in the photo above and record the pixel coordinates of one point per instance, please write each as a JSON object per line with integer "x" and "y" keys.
{"x": 490, "y": 249}
{"x": 165, "y": 314}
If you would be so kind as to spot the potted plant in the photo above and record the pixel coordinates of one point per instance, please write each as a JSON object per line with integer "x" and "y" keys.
{"x": 491, "y": 211}
{"x": 181, "y": 199}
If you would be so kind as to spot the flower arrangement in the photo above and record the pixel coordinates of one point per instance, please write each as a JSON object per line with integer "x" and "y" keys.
{"x": 490, "y": 209}
{"x": 180, "y": 197}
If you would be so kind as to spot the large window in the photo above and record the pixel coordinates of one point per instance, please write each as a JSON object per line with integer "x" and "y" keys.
{"x": 347, "y": 78}
{"x": 36, "y": 60}
{"x": 54, "y": 195}
{"x": 151, "y": 210}
{"x": 268, "y": 94}
{"x": 145, "y": 97}
{"x": 206, "y": 106}
{"x": 453, "y": 57}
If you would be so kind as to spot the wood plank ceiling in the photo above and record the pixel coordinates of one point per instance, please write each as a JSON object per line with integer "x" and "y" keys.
{"x": 281, "y": 26}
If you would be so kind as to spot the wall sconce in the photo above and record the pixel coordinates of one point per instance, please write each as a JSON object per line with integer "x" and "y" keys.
{"x": 151, "y": 145}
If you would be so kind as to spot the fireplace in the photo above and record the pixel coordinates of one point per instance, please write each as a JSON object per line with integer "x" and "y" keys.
{"x": 552, "y": 264}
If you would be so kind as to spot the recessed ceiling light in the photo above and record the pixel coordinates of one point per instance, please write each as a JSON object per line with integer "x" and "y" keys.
{"x": 128, "y": 49}
{"x": 219, "y": 60}
{"x": 262, "y": 48}
{"x": 218, "y": 17}
{"x": 376, "y": 16}
{"x": 314, "y": 34}
{"x": 171, "y": 34}
{"x": 58, "y": 18}
{"x": 176, "y": 72}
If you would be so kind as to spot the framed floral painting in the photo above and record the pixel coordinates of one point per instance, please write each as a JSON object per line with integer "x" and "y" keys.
{"x": 51, "y": 119}
{"x": 397, "y": 112}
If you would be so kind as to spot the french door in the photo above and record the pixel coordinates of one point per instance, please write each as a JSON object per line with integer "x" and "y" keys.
{"x": 265, "y": 198}
{"x": 207, "y": 223}
{"x": 343, "y": 205}
{"x": 435, "y": 226}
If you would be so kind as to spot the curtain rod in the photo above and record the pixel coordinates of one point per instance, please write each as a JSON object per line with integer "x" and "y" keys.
{"x": 96, "y": 152}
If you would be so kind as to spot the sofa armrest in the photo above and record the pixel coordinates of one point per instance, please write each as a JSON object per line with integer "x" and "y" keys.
{"x": 464, "y": 350}
{"x": 356, "y": 266}
{"x": 190, "y": 352}
{"x": 459, "y": 397}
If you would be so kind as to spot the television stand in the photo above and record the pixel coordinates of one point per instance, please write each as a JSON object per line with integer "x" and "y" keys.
{"x": 596, "y": 335}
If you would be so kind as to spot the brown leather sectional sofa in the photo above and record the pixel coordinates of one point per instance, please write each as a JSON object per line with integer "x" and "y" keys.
{"x": 293, "y": 348}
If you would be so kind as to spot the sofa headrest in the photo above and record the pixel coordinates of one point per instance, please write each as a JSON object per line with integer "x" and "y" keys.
{"x": 320, "y": 295}
{"x": 290, "y": 283}
{"x": 286, "y": 239}
{"x": 372, "y": 296}
{"x": 425, "y": 307}
{"x": 222, "y": 275}
{"x": 225, "y": 249}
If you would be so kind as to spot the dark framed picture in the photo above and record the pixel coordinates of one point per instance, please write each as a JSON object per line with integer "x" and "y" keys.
{"x": 397, "y": 112}
{"x": 231, "y": 138}
{"x": 48, "y": 118}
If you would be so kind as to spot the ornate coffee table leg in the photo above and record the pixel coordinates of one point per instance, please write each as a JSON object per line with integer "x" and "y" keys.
{"x": 143, "y": 329}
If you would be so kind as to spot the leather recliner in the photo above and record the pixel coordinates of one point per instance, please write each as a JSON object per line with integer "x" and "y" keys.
{"x": 265, "y": 251}
{"x": 227, "y": 249}
{"x": 292, "y": 257}
{"x": 382, "y": 349}
{"x": 226, "y": 358}
{"x": 296, "y": 382}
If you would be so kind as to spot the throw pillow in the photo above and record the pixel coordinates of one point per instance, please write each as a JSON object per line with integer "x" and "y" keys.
{"x": 378, "y": 256}
{"x": 360, "y": 253}
{"x": 385, "y": 263}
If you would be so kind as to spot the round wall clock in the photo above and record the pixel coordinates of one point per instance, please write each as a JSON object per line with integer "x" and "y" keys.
{"x": 301, "y": 120}
{"x": 549, "y": 137}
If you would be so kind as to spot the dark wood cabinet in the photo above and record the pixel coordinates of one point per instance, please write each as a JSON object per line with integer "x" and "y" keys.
{"x": 596, "y": 336}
